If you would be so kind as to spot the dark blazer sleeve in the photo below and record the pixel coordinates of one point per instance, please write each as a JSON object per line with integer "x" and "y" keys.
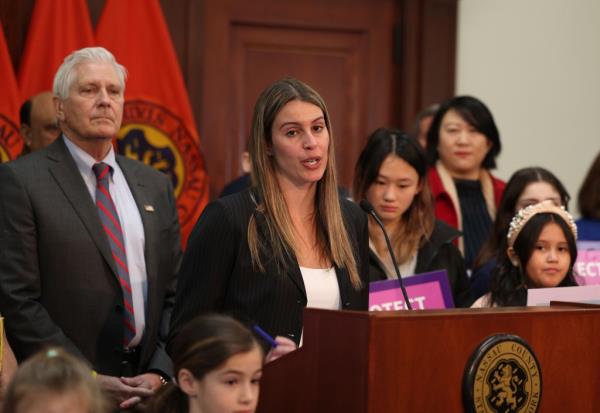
{"x": 169, "y": 239}
{"x": 206, "y": 267}
{"x": 364, "y": 259}
{"x": 29, "y": 326}
{"x": 358, "y": 230}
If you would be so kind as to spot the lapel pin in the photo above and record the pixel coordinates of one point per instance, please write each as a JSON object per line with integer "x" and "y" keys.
{"x": 148, "y": 208}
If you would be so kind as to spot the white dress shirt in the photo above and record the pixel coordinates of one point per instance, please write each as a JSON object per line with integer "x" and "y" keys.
{"x": 322, "y": 290}
{"x": 131, "y": 223}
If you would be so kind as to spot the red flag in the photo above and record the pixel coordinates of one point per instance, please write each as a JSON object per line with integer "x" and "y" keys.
{"x": 158, "y": 125}
{"x": 57, "y": 28}
{"x": 11, "y": 143}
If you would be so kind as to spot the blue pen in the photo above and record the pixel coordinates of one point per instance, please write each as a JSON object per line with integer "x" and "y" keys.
{"x": 265, "y": 335}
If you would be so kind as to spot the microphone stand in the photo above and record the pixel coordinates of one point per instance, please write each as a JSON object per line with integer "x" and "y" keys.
{"x": 368, "y": 208}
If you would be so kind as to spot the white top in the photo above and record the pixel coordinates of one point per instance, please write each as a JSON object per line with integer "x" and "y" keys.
{"x": 131, "y": 223}
{"x": 483, "y": 302}
{"x": 322, "y": 289}
{"x": 407, "y": 268}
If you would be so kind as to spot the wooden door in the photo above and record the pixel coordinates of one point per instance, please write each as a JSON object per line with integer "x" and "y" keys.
{"x": 375, "y": 62}
{"x": 342, "y": 48}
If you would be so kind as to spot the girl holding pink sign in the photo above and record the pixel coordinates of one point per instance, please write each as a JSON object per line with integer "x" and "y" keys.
{"x": 391, "y": 173}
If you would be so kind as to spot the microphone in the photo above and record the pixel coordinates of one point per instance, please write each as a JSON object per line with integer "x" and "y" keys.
{"x": 368, "y": 208}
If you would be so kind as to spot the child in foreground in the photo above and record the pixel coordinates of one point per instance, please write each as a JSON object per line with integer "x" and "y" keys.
{"x": 218, "y": 364}
{"x": 53, "y": 381}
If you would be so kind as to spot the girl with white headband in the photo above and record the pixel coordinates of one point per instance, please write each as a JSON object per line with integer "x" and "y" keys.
{"x": 540, "y": 253}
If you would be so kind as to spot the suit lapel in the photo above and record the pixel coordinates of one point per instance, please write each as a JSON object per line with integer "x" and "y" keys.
{"x": 63, "y": 169}
{"x": 343, "y": 277}
{"x": 296, "y": 276}
{"x": 293, "y": 269}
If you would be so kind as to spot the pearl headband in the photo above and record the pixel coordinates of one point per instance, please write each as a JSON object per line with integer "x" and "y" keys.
{"x": 524, "y": 215}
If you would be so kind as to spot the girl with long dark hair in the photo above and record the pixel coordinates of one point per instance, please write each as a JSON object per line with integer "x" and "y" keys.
{"x": 540, "y": 251}
{"x": 525, "y": 187}
{"x": 391, "y": 175}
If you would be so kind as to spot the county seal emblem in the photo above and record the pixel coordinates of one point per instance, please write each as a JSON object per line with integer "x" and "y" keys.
{"x": 502, "y": 376}
{"x": 11, "y": 143}
{"x": 150, "y": 133}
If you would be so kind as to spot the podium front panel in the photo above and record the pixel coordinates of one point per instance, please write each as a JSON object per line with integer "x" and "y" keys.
{"x": 415, "y": 361}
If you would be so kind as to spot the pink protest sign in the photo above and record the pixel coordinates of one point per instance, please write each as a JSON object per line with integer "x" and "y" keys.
{"x": 587, "y": 266}
{"x": 425, "y": 292}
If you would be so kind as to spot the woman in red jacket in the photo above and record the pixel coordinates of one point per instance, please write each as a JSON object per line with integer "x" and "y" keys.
{"x": 462, "y": 145}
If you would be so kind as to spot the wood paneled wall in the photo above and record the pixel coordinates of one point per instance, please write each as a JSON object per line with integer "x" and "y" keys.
{"x": 376, "y": 63}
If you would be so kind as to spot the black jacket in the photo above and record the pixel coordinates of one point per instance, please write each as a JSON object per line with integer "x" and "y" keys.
{"x": 436, "y": 254}
{"x": 217, "y": 274}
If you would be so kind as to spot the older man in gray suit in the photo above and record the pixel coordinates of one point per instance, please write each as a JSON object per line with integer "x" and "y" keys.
{"x": 89, "y": 240}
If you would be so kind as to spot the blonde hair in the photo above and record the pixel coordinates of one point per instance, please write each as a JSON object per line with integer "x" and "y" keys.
{"x": 55, "y": 372}
{"x": 332, "y": 237}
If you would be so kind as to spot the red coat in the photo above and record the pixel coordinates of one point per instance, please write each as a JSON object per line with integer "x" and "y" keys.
{"x": 444, "y": 207}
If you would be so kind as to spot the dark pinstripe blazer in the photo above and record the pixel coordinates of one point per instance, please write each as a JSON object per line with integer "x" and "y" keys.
{"x": 58, "y": 283}
{"x": 217, "y": 273}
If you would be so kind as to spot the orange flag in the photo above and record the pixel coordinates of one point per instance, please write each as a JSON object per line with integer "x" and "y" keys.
{"x": 11, "y": 143}
{"x": 158, "y": 124}
{"x": 57, "y": 28}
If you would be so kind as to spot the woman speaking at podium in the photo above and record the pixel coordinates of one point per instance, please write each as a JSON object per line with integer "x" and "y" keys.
{"x": 288, "y": 242}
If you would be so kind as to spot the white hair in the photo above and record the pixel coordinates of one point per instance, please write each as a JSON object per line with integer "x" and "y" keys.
{"x": 65, "y": 75}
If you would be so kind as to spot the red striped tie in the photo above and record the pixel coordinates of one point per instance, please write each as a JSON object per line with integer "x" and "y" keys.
{"x": 114, "y": 233}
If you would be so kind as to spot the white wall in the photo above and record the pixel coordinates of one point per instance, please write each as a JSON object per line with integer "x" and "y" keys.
{"x": 536, "y": 64}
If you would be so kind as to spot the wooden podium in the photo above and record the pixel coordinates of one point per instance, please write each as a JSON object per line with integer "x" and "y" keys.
{"x": 377, "y": 362}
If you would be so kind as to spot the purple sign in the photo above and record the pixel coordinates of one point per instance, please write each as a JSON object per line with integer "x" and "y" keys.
{"x": 587, "y": 266}
{"x": 425, "y": 291}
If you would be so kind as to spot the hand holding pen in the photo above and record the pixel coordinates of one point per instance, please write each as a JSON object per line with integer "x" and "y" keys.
{"x": 265, "y": 336}
{"x": 280, "y": 346}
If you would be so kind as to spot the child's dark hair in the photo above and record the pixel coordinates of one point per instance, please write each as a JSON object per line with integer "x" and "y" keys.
{"x": 589, "y": 194}
{"x": 509, "y": 282}
{"x": 53, "y": 371}
{"x": 515, "y": 186}
{"x": 203, "y": 345}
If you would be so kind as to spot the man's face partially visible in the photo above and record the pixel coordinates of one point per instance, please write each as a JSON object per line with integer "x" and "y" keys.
{"x": 43, "y": 128}
{"x": 93, "y": 109}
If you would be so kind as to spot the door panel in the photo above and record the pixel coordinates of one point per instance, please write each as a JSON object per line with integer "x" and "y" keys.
{"x": 375, "y": 62}
{"x": 343, "y": 49}
{"x": 332, "y": 62}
